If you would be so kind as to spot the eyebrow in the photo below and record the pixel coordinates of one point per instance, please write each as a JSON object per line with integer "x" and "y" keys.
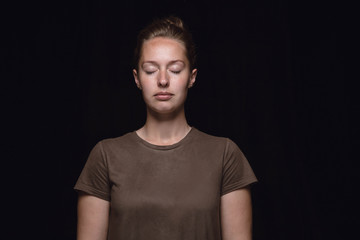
{"x": 170, "y": 63}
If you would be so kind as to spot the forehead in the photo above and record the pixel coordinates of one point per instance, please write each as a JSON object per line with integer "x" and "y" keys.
{"x": 163, "y": 48}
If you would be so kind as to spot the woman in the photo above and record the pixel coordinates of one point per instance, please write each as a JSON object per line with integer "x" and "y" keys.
{"x": 166, "y": 180}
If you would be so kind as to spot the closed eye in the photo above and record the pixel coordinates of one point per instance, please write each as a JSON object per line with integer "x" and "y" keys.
{"x": 176, "y": 72}
{"x": 150, "y": 72}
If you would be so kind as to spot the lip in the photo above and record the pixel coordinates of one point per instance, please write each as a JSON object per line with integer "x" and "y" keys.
{"x": 163, "y": 96}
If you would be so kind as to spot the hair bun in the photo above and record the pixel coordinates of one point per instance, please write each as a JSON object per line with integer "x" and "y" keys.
{"x": 172, "y": 20}
{"x": 169, "y": 27}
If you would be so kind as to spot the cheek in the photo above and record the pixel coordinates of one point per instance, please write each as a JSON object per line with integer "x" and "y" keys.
{"x": 185, "y": 82}
{"x": 146, "y": 90}
{"x": 145, "y": 82}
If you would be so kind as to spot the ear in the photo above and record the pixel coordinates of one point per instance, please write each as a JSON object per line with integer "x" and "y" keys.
{"x": 192, "y": 78}
{"x": 136, "y": 78}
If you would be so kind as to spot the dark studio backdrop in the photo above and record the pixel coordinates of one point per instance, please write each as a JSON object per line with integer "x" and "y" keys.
{"x": 271, "y": 78}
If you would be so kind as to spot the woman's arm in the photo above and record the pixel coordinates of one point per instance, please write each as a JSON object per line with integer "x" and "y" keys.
{"x": 93, "y": 218}
{"x": 236, "y": 215}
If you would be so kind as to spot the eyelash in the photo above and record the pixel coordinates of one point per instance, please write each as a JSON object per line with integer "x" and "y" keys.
{"x": 152, "y": 72}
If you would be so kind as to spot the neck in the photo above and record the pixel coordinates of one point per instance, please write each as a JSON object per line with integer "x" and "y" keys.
{"x": 164, "y": 129}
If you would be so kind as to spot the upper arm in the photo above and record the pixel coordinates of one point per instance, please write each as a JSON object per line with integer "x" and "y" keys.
{"x": 236, "y": 215}
{"x": 93, "y": 217}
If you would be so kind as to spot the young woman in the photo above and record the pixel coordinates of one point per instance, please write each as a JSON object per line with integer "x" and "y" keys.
{"x": 166, "y": 180}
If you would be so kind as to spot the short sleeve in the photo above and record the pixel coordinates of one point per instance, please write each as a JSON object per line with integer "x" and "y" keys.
{"x": 237, "y": 172}
{"x": 94, "y": 178}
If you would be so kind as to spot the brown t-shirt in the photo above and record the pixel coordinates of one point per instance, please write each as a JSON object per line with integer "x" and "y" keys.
{"x": 165, "y": 192}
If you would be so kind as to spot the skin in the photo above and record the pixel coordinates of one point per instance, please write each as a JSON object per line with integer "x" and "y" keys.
{"x": 93, "y": 217}
{"x": 164, "y": 67}
{"x": 236, "y": 215}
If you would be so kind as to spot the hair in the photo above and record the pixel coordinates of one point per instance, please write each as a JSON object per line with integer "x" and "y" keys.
{"x": 168, "y": 27}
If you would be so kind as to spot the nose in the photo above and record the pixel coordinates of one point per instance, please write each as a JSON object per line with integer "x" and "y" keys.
{"x": 163, "y": 80}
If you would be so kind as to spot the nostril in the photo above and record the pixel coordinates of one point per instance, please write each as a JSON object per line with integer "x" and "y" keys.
{"x": 163, "y": 82}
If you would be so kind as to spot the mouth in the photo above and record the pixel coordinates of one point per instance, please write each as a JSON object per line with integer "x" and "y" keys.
{"x": 163, "y": 96}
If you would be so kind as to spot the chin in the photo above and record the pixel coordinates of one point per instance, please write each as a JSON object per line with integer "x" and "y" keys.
{"x": 165, "y": 109}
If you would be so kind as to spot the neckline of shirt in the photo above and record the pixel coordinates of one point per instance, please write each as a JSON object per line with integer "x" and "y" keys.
{"x": 164, "y": 147}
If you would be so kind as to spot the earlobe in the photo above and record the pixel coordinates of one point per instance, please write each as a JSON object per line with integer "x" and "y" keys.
{"x": 136, "y": 78}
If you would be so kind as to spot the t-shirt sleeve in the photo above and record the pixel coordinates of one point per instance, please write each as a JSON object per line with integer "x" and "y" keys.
{"x": 94, "y": 178}
{"x": 237, "y": 172}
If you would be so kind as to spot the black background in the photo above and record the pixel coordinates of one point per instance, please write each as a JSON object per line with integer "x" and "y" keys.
{"x": 271, "y": 77}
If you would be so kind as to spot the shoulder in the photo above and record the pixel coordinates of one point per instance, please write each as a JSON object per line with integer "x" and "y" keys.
{"x": 210, "y": 140}
{"x": 200, "y": 135}
{"x": 117, "y": 143}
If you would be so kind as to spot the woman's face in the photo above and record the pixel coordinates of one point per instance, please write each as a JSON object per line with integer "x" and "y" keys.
{"x": 164, "y": 74}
